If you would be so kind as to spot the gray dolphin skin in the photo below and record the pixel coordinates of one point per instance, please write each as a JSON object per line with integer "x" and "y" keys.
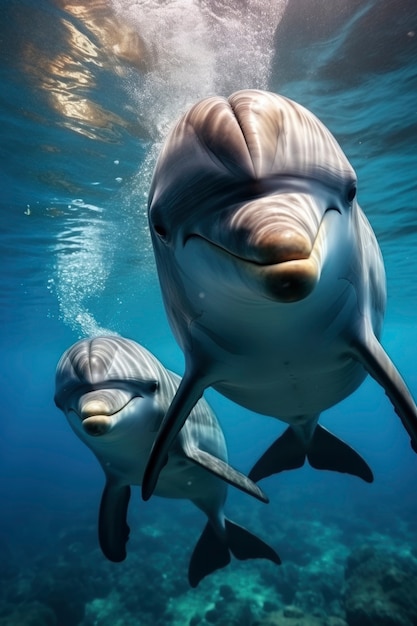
{"x": 114, "y": 394}
{"x": 271, "y": 276}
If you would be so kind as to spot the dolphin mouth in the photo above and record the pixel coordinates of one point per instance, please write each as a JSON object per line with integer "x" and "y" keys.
{"x": 296, "y": 265}
{"x": 99, "y": 415}
{"x": 97, "y": 425}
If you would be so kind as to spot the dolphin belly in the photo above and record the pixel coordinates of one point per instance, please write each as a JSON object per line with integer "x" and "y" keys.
{"x": 277, "y": 359}
{"x": 293, "y": 392}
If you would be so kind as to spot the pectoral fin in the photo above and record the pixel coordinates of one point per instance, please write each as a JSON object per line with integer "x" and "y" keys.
{"x": 227, "y": 473}
{"x": 113, "y": 531}
{"x": 378, "y": 364}
{"x": 189, "y": 392}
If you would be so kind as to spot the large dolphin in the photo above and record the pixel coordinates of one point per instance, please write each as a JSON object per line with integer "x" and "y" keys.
{"x": 271, "y": 275}
{"x": 115, "y": 394}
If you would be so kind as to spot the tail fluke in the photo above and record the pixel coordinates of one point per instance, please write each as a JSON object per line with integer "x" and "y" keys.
{"x": 286, "y": 453}
{"x": 328, "y": 452}
{"x": 324, "y": 451}
{"x": 245, "y": 545}
{"x": 212, "y": 552}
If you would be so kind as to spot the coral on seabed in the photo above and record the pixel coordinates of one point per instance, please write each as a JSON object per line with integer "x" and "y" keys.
{"x": 381, "y": 588}
{"x": 321, "y": 582}
{"x": 293, "y": 616}
{"x": 29, "y": 614}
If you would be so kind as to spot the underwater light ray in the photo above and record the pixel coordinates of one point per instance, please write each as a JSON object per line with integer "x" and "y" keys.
{"x": 192, "y": 49}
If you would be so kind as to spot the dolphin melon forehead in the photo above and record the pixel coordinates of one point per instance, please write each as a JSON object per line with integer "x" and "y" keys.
{"x": 93, "y": 360}
{"x": 284, "y": 138}
{"x": 98, "y": 359}
{"x": 251, "y": 136}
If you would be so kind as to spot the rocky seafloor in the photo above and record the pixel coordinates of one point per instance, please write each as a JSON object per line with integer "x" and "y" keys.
{"x": 340, "y": 568}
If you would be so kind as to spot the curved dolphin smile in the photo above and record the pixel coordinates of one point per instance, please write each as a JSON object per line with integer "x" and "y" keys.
{"x": 99, "y": 410}
{"x": 97, "y": 418}
{"x": 285, "y": 262}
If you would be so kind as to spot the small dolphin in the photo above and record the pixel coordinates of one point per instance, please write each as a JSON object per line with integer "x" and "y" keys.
{"x": 271, "y": 275}
{"x": 115, "y": 394}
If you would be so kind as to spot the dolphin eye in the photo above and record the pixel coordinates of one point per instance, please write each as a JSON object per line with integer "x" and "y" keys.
{"x": 161, "y": 231}
{"x": 153, "y": 386}
{"x": 351, "y": 194}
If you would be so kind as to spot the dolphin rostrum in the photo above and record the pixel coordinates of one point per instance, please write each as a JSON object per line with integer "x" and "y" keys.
{"x": 115, "y": 394}
{"x": 271, "y": 276}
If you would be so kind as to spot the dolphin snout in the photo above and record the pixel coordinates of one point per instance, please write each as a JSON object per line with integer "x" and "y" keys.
{"x": 97, "y": 425}
{"x": 94, "y": 419}
{"x": 94, "y": 407}
{"x": 271, "y": 229}
{"x": 275, "y": 238}
{"x": 289, "y": 281}
{"x": 284, "y": 264}
{"x": 279, "y": 246}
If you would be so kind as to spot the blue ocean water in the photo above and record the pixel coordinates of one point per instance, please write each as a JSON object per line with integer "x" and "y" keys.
{"x": 89, "y": 90}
